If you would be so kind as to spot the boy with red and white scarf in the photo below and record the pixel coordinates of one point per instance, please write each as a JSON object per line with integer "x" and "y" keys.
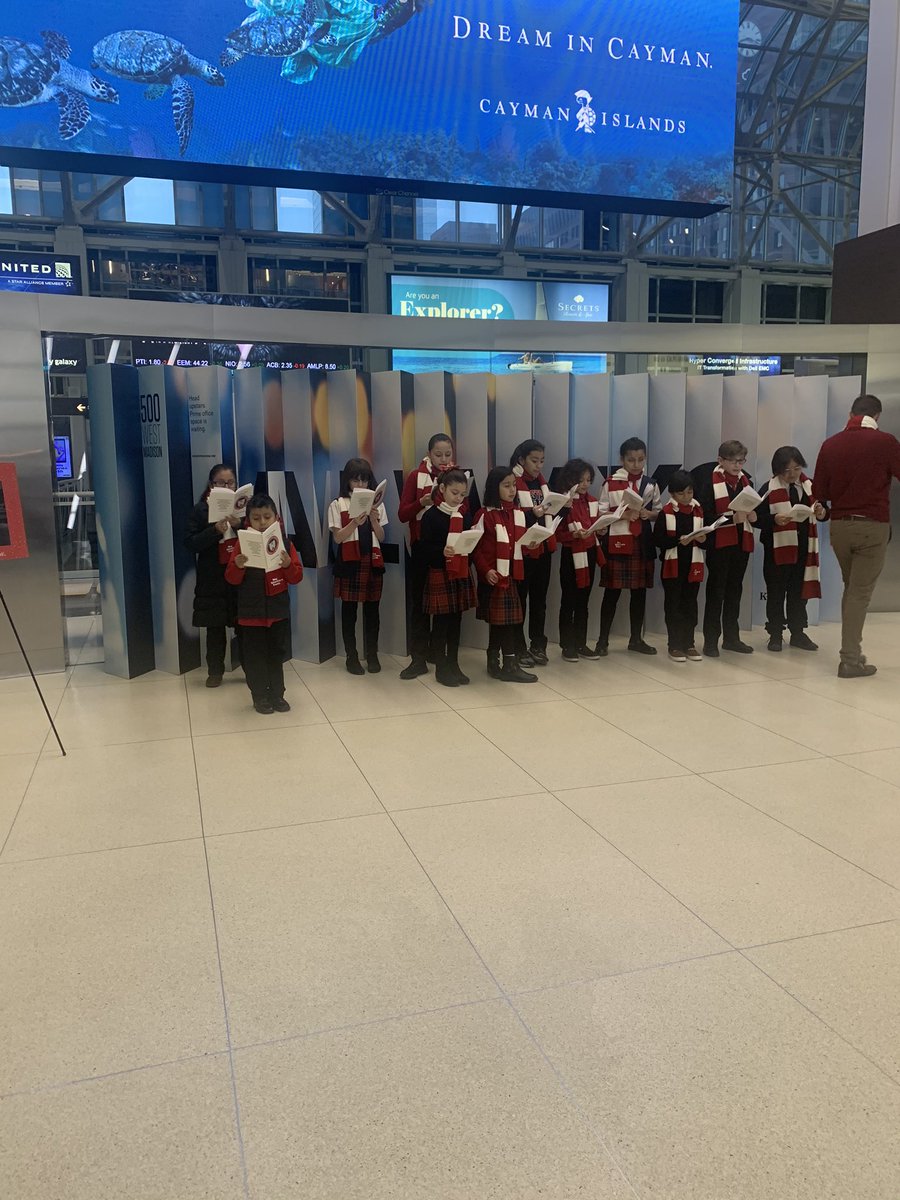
{"x": 630, "y": 554}
{"x": 416, "y": 499}
{"x": 791, "y": 549}
{"x": 682, "y": 565}
{"x": 579, "y": 557}
{"x": 500, "y": 568}
{"x": 527, "y": 464}
{"x": 728, "y": 550}
{"x": 449, "y": 590}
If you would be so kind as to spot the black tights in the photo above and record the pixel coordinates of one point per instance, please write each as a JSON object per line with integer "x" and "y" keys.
{"x": 636, "y": 608}
{"x": 503, "y": 639}
{"x": 371, "y": 626}
{"x": 445, "y": 628}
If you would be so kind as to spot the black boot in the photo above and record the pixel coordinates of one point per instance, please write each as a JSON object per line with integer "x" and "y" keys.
{"x": 493, "y": 664}
{"x": 353, "y": 664}
{"x": 513, "y": 673}
{"x": 444, "y": 672}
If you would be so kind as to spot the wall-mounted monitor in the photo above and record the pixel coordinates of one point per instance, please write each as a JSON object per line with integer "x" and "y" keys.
{"x": 62, "y": 451}
{"x": 482, "y": 298}
{"x": 582, "y": 101}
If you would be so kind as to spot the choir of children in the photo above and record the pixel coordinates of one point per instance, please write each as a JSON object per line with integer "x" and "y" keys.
{"x": 513, "y": 576}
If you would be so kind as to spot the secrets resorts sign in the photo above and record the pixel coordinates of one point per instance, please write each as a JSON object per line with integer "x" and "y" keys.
{"x": 581, "y": 99}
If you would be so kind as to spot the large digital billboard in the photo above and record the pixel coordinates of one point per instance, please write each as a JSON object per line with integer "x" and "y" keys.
{"x": 628, "y": 104}
{"x": 24, "y": 271}
{"x": 480, "y": 298}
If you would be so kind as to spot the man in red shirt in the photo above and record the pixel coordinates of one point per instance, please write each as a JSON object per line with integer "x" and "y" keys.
{"x": 853, "y": 476}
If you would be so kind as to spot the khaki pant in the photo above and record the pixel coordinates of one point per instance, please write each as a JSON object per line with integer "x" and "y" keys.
{"x": 860, "y": 547}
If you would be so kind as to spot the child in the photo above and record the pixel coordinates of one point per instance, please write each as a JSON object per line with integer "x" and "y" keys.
{"x": 790, "y": 549}
{"x": 682, "y": 565}
{"x": 415, "y": 500}
{"x": 448, "y": 584}
{"x": 215, "y": 605}
{"x": 264, "y": 613}
{"x": 500, "y": 569}
{"x": 527, "y": 462}
{"x": 630, "y": 554}
{"x": 729, "y": 549}
{"x": 579, "y": 556}
{"x": 359, "y": 565}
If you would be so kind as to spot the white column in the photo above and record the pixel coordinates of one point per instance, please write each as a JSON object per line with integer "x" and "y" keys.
{"x": 879, "y": 199}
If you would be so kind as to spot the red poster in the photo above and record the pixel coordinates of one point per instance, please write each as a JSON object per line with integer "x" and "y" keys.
{"x": 13, "y": 543}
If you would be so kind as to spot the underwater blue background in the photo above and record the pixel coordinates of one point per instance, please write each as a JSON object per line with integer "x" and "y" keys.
{"x": 408, "y": 106}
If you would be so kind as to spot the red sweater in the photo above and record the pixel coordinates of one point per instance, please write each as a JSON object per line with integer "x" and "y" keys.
{"x": 853, "y": 473}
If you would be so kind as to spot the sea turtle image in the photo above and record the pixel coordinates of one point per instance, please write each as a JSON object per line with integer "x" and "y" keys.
{"x": 272, "y": 35}
{"x": 160, "y": 62}
{"x": 32, "y": 74}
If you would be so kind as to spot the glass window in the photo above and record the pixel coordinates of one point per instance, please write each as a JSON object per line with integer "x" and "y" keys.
{"x": 262, "y": 208}
{"x": 6, "y": 202}
{"x": 710, "y": 298}
{"x": 436, "y": 221}
{"x": 562, "y": 229}
{"x": 264, "y": 276}
{"x": 813, "y": 303}
{"x": 529, "y": 231}
{"x": 676, "y": 297}
{"x": 298, "y": 211}
{"x": 479, "y": 223}
{"x": 213, "y": 195}
{"x": 150, "y": 201}
{"x": 780, "y": 302}
{"x": 26, "y": 193}
{"x": 188, "y": 203}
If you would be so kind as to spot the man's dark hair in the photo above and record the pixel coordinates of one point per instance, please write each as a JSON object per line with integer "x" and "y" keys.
{"x": 866, "y": 406}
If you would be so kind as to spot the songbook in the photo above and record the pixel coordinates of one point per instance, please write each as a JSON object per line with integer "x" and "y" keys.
{"x": 467, "y": 541}
{"x": 554, "y": 501}
{"x": 538, "y": 534}
{"x": 702, "y": 532}
{"x": 801, "y": 512}
{"x": 607, "y": 519}
{"x": 632, "y": 499}
{"x": 363, "y": 500}
{"x": 224, "y": 503}
{"x": 262, "y": 550}
{"x": 746, "y": 500}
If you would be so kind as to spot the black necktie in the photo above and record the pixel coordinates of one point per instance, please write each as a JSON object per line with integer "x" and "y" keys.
{"x": 793, "y": 494}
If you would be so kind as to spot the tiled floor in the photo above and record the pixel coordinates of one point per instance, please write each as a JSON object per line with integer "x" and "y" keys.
{"x": 631, "y": 933}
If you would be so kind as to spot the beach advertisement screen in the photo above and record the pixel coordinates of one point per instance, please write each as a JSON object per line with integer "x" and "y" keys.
{"x": 616, "y": 103}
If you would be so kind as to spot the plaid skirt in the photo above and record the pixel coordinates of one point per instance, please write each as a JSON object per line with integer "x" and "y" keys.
{"x": 627, "y": 571}
{"x": 499, "y": 606}
{"x": 446, "y": 595}
{"x": 362, "y": 586}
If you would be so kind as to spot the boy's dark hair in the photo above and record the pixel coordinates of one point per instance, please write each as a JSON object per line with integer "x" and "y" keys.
{"x": 785, "y": 455}
{"x": 261, "y": 500}
{"x": 866, "y": 406}
{"x": 631, "y": 444}
{"x": 356, "y": 468}
{"x": 679, "y": 480}
{"x": 733, "y": 449}
{"x": 438, "y": 437}
{"x": 524, "y": 449}
{"x": 571, "y": 472}
{"x": 491, "y": 496}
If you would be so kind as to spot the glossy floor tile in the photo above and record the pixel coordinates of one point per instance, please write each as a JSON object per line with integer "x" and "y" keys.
{"x": 456, "y": 1104}
{"x": 629, "y": 932}
{"x": 709, "y": 1081}
{"x": 333, "y": 924}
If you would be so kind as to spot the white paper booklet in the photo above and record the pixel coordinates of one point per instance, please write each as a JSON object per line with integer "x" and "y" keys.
{"x": 608, "y": 519}
{"x": 468, "y": 540}
{"x": 262, "y": 550}
{"x": 632, "y": 499}
{"x": 224, "y": 503}
{"x": 538, "y": 534}
{"x": 746, "y": 500}
{"x": 554, "y": 501}
{"x": 723, "y": 520}
{"x": 363, "y": 500}
{"x": 801, "y": 512}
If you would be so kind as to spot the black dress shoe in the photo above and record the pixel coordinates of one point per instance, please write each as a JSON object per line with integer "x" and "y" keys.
{"x": 601, "y": 649}
{"x": 568, "y": 656}
{"x": 800, "y": 641}
{"x": 526, "y": 660}
{"x": 447, "y": 676}
{"x": 861, "y": 670}
{"x": 416, "y": 668}
{"x": 641, "y": 647}
{"x": 539, "y": 657}
{"x": 776, "y": 644}
{"x": 737, "y": 647}
{"x": 214, "y": 681}
{"x": 281, "y": 705}
{"x": 587, "y": 652}
{"x": 264, "y": 706}
{"x": 354, "y": 666}
{"x": 461, "y": 679}
{"x": 373, "y": 665}
{"x": 711, "y": 650}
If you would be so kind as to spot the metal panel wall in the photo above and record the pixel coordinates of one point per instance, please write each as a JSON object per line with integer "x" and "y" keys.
{"x": 704, "y": 400}
{"x": 390, "y": 391}
{"x": 665, "y": 444}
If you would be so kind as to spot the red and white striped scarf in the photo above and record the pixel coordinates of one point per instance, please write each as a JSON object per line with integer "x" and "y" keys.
{"x": 584, "y": 512}
{"x": 457, "y": 567}
{"x": 349, "y": 550}
{"x": 622, "y": 534}
{"x": 427, "y": 477}
{"x": 506, "y": 525}
{"x": 857, "y": 421}
{"x": 670, "y": 558}
{"x": 523, "y": 491}
{"x": 727, "y": 535}
{"x": 786, "y": 543}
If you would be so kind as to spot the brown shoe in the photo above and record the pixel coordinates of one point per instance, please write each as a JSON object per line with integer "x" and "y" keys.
{"x": 856, "y": 670}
